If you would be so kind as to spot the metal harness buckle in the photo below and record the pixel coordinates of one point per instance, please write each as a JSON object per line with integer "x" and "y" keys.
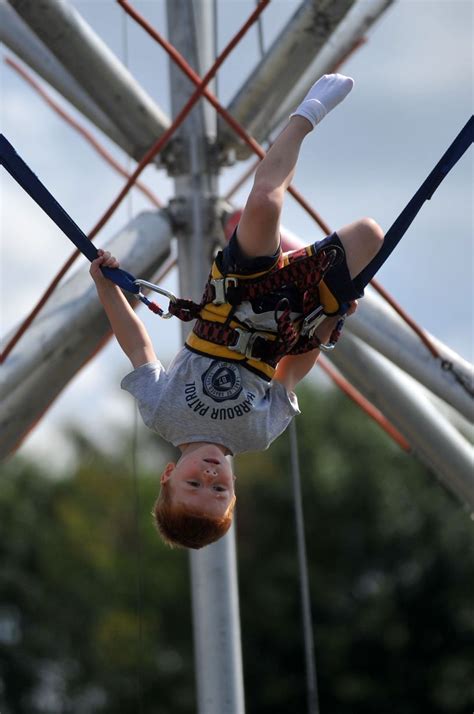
{"x": 220, "y": 286}
{"x": 245, "y": 343}
{"x": 313, "y": 320}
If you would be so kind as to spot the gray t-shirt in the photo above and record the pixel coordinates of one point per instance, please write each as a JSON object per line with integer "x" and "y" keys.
{"x": 204, "y": 399}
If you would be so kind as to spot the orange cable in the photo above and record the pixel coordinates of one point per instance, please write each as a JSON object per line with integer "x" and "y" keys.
{"x": 364, "y": 404}
{"x": 404, "y": 315}
{"x": 164, "y": 270}
{"x": 194, "y": 77}
{"x": 149, "y": 155}
{"x": 235, "y": 187}
{"x": 80, "y": 129}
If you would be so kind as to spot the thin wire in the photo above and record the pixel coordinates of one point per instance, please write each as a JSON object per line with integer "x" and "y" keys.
{"x": 261, "y": 41}
{"x": 136, "y": 485}
{"x": 139, "y": 555}
{"x": 80, "y": 128}
{"x": 215, "y": 17}
{"x": 307, "y": 620}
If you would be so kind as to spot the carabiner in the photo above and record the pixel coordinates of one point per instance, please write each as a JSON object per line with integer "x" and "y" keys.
{"x": 156, "y": 289}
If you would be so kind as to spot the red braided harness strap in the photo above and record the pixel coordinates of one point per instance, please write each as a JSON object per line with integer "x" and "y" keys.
{"x": 303, "y": 270}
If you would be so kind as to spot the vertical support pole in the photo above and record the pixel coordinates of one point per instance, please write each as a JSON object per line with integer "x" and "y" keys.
{"x": 218, "y": 656}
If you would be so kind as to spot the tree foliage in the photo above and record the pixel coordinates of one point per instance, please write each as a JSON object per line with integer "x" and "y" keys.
{"x": 95, "y": 612}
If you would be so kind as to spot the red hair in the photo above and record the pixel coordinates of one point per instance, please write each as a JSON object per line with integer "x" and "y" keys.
{"x": 180, "y": 527}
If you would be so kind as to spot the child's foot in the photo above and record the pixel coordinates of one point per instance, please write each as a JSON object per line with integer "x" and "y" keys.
{"x": 323, "y": 96}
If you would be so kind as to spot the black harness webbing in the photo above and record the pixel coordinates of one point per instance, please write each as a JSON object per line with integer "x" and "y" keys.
{"x": 394, "y": 234}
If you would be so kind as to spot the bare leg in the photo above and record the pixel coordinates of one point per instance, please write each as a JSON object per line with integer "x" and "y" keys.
{"x": 362, "y": 241}
{"x": 259, "y": 227}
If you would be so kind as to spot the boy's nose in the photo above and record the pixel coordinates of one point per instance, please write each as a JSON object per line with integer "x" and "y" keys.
{"x": 210, "y": 471}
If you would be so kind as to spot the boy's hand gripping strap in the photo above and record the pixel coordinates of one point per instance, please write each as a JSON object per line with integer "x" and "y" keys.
{"x": 21, "y": 172}
{"x": 393, "y": 236}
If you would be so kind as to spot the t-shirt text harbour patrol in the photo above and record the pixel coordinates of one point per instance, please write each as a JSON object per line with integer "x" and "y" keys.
{"x": 203, "y": 399}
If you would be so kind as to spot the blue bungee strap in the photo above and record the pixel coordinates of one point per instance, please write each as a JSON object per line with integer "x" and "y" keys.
{"x": 393, "y": 236}
{"x": 22, "y": 173}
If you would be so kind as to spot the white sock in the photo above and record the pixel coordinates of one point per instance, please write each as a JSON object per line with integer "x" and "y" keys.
{"x": 323, "y": 96}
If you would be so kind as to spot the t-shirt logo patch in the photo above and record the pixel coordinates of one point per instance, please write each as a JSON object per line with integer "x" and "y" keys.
{"x": 222, "y": 381}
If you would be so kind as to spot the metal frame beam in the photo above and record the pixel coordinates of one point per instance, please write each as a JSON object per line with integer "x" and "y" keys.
{"x": 96, "y": 69}
{"x": 314, "y": 41}
{"x": 377, "y": 324}
{"x": 218, "y": 656}
{"x": 433, "y": 439}
{"x": 70, "y": 329}
{"x": 18, "y": 37}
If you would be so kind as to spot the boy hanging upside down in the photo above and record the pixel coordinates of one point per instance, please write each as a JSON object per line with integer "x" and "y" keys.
{"x": 217, "y": 399}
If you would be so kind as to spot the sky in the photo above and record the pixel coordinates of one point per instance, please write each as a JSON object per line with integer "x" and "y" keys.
{"x": 413, "y": 93}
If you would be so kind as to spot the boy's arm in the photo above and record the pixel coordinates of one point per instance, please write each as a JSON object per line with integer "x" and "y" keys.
{"x": 292, "y": 368}
{"x": 127, "y": 327}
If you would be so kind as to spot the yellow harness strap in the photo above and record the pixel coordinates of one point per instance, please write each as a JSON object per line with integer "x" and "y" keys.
{"x": 220, "y": 313}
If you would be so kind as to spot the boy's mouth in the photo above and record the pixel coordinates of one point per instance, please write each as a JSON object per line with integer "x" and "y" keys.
{"x": 212, "y": 461}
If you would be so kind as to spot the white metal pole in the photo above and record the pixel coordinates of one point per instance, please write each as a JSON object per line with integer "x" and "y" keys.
{"x": 87, "y": 58}
{"x": 316, "y": 38}
{"x": 18, "y": 37}
{"x": 377, "y": 324}
{"x": 218, "y": 656}
{"x": 433, "y": 439}
{"x": 69, "y": 330}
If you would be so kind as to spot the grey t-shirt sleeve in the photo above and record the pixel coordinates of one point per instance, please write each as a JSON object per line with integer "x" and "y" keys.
{"x": 147, "y": 384}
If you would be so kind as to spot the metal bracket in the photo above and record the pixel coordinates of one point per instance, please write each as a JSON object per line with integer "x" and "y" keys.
{"x": 220, "y": 286}
{"x": 175, "y": 157}
{"x": 245, "y": 343}
{"x": 179, "y": 213}
{"x": 313, "y": 320}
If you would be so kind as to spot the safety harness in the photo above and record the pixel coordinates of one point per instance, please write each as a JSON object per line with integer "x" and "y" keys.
{"x": 219, "y": 333}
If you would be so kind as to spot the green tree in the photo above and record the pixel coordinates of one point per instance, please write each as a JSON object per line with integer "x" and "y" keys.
{"x": 391, "y": 561}
{"x": 95, "y": 613}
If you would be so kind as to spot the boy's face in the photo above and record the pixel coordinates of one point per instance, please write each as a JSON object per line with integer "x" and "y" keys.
{"x": 202, "y": 480}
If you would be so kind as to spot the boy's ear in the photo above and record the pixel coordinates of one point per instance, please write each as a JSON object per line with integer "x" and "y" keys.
{"x": 165, "y": 476}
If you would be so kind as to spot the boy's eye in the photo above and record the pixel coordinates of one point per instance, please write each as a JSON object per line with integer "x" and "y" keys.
{"x": 219, "y": 488}
{"x": 196, "y": 484}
